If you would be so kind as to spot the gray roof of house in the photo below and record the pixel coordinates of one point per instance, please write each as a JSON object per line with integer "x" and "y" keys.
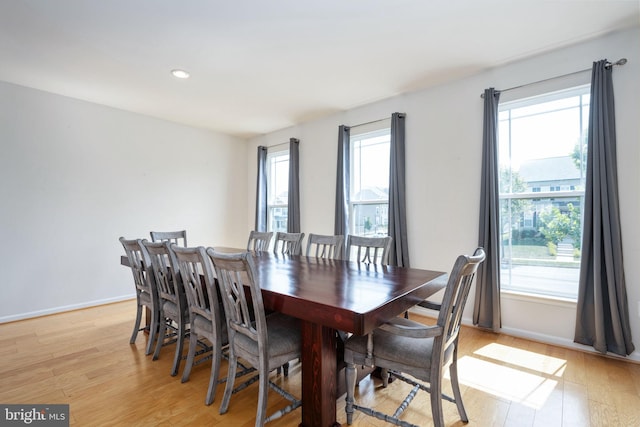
{"x": 549, "y": 169}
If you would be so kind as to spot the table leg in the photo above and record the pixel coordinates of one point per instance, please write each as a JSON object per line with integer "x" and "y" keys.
{"x": 318, "y": 376}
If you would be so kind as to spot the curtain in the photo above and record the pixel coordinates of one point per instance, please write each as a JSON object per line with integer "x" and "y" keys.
{"x": 486, "y": 310}
{"x": 399, "y": 254}
{"x": 261, "y": 190}
{"x": 293, "y": 216}
{"x": 341, "y": 226}
{"x": 602, "y": 318}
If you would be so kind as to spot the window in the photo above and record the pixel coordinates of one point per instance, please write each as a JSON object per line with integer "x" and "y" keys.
{"x": 542, "y": 155}
{"x": 369, "y": 193}
{"x": 277, "y": 190}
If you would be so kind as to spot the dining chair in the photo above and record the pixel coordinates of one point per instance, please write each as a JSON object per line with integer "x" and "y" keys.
{"x": 426, "y": 351}
{"x": 265, "y": 342}
{"x": 369, "y": 250}
{"x": 259, "y": 241}
{"x": 177, "y": 237}
{"x": 173, "y": 311}
{"x": 146, "y": 295}
{"x": 205, "y": 312}
{"x": 288, "y": 243}
{"x": 322, "y": 246}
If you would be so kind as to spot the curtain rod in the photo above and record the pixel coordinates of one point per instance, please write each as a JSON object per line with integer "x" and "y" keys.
{"x": 369, "y": 123}
{"x": 283, "y": 143}
{"x": 621, "y": 61}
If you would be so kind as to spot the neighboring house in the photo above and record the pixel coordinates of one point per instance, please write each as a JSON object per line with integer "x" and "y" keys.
{"x": 371, "y": 212}
{"x": 554, "y": 174}
{"x": 551, "y": 174}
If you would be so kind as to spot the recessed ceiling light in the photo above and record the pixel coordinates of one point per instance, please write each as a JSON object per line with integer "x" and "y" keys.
{"x": 180, "y": 74}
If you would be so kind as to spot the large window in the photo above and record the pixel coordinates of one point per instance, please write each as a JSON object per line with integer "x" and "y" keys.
{"x": 277, "y": 190}
{"x": 542, "y": 156}
{"x": 369, "y": 193}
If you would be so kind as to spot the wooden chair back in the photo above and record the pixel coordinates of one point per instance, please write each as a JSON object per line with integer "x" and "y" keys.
{"x": 323, "y": 246}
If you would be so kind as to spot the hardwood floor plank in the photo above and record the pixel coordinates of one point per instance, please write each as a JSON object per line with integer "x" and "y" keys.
{"x": 575, "y": 405}
{"x": 84, "y": 358}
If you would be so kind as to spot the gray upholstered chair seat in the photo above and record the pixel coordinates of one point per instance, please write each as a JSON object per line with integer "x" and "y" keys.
{"x": 408, "y": 351}
{"x": 145, "y": 298}
{"x": 171, "y": 308}
{"x": 283, "y": 336}
{"x": 203, "y": 324}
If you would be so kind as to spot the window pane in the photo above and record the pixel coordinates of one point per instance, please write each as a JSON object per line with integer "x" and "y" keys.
{"x": 277, "y": 190}
{"x": 370, "y": 168}
{"x": 369, "y": 193}
{"x": 370, "y": 219}
{"x": 278, "y": 219}
{"x": 278, "y": 178}
{"x": 542, "y": 151}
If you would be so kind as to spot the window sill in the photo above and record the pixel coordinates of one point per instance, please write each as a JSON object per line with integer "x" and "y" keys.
{"x": 537, "y": 298}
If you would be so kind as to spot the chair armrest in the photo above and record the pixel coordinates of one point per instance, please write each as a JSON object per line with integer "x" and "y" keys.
{"x": 407, "y": 328}
{"x": 430, "y": 305}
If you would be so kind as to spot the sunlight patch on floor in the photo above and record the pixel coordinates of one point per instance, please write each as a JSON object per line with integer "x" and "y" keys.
{"x": 526, "y": 359}
{"x": 510, "y": 373}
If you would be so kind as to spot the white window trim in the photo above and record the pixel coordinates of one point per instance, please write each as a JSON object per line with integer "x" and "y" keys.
{"x": 360, "y": 132}
{"x": 271, "y": 153}
{"x": 547, "y": 96}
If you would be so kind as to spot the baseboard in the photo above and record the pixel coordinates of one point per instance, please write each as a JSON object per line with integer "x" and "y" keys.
{"x": 543, "y": 338}
{"x": 62, "y": 309}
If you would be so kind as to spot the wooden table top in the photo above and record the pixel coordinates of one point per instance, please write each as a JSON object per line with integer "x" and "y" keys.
{"x": 343, "y": 295}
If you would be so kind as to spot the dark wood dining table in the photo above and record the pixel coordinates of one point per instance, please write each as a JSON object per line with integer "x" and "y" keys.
{"x": 334, "y": 295}
{"x": 330, "y": 296}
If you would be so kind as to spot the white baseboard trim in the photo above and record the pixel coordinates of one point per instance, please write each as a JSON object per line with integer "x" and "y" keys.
{"x": 563, "y": 342}
{"x": 543, "y": 338}
{"x": 62, "y": 309}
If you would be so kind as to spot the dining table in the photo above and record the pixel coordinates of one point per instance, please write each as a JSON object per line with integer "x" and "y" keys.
{"x": 328, "y": 296}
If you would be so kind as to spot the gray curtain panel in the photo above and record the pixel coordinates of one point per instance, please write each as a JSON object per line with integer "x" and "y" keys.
{"x": 486, "y": 310}
{"x": 261, "y": 190}
{"x": 342, "y": 183}
{"x": 293, "y": 217}
{"x": 602, "y": 318}
{"x": 399, "y": 253}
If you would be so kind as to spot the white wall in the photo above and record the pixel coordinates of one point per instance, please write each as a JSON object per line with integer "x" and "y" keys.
{"x": 75, "y": 176}
{"x": 443, "y": 160}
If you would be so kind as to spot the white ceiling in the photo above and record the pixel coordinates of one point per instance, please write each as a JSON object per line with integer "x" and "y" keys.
{"x": 261, "y": 65}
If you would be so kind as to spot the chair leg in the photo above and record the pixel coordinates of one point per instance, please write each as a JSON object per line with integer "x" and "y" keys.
{"x": 136, "y": 327}
{"x": 384, "y": 374}
{"x": 350, "y": 380}
{"x": 231, "y": 376}
{"x": 436, "y": 400}
{"x": 215, "y": 372}
{"x": 453, "y": 372}
{"x": 162, "y": 331}
{"x": 262, "y": 392}
{"x": 179, "y": 347}
{"x": 284, "y": 368}
{"x": 153, "y": 332}
{"x": 191, "y": 355}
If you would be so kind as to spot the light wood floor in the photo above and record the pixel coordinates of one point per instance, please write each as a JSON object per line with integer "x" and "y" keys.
{"x": 84, "y": 358}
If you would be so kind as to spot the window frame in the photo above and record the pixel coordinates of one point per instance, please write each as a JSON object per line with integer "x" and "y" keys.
{"x": 537, "y": 192}
{"x": 272, "y": 158}
{"x": 378, "y": 129}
